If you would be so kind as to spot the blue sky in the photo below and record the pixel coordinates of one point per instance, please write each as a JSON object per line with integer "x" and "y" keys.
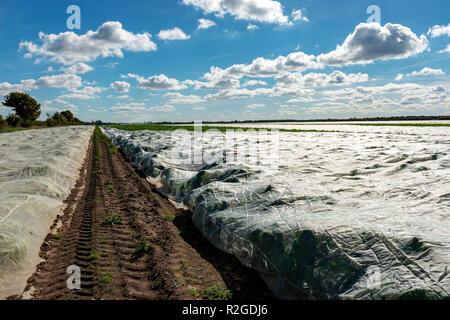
{"x": 189, "y": 60}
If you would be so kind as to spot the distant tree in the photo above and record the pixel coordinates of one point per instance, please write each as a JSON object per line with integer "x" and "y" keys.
{"x": 68, "y": 115}
{"x": 13, "y": 121}
{"x": 3, "y": 123}
{"x": 24, "y": 105}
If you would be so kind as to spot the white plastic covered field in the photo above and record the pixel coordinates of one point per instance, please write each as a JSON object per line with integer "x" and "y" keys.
{"x": 38, "y": 169}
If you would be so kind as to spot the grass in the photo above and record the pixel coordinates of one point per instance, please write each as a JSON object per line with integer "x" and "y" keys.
{"x": 107, "y": 277}
{"x": 112, "y": 221}
{"x": 57, "y": 236}
{"x": 169, "y": 216}
{"x": 194, "y": 292}
{"x": 216, "y": 293}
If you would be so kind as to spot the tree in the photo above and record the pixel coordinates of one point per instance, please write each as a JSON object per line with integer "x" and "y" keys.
{"x": 13, "y": 121}
{"x": 2, "y": 123}
{"x": 68, "y": 115}
{"x": 24, "y": 105}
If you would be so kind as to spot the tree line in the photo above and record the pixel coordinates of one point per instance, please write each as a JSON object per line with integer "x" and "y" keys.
{"x": 27, "y": 111}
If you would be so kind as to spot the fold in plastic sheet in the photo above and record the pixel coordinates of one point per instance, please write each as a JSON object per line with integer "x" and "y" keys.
{"x": 38, "y": 169}
{"x": 343, "y": 216}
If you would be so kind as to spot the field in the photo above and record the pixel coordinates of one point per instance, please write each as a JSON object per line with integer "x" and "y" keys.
{"x": 314, "y": 213}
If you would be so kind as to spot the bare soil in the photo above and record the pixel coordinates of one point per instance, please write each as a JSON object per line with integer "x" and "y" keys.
{"x": 175, "y": 262}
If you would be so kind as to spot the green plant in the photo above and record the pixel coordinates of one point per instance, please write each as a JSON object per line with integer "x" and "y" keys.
{"x": 169, "y": 216}
{"x": 111, "y": 188}
{"x": 111, "y": 221}
{"x": 216, "y": 293}
{"x": 107, "y": 277}
{"x": 193, "y": 292}
{"x": 142, "y": 247}
{"x": 57, "y": 236}
{"x": 93, "y": 256}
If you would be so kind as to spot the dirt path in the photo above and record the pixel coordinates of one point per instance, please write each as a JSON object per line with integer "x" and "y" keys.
{"x": 130, "y": 243}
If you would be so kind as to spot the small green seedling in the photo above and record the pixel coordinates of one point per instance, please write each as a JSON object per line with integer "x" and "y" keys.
{"x": 93, "y": 256}
{"x": 107, "y": 277}
{"x": 169, "y": 216}
{"x": 112, "y": 221}
{"x": 193, "y": 292}
{"x": 142, "y": 247}
{"x": 57, "y": 236}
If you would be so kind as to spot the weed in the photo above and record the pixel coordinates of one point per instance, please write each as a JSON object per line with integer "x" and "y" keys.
{"x": 57, "y": 236}
{"x": 216, "y": 293}
{"x": 193, "y": 292}
{"x": 169, "y": 216}
{"x": 107, "y": 277}
{"x": 142, "y": 247}
{"x": 112, "y": 221}
{"x": 111, "y": 188}
{"x": 93, "y": 256}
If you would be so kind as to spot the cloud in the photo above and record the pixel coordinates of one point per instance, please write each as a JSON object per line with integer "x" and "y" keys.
{"x": 437, "y": 31}
{"x": 67, "y": 81}
{"x": 297, "y": 15}
{"x": 173, "y": 34}
{"x": 252, "y": 27}
{"x": 86, "y": 93}
{"x": 399, "y": 77}
{"x": 255, "y": 106}
{"x": 447, "y": 49}
{"x": 219, "y": 84}
{"x": 321, "y": 79}
{"x": 57, "y": 105}
{"x": 371, "y": 41}
{"x": 158, "y": 82}
{"x": 265, "y": 68}
{"x": 178, "y": 98}
{"x": 121, "y": 86}
{"x": 166, "y": 108}
{"x": 205, "y": 24}
{"x": 251, "y": 83}
{"x": 109, "y": 40}
{"x": 79, "y": 68}
{"x": 254, "y": 10}
{"x": 132, "y": 106}
{"x": 426, "y": 72}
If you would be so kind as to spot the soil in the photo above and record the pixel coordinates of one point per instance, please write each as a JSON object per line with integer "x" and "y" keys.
{"x": 109, "y": 215}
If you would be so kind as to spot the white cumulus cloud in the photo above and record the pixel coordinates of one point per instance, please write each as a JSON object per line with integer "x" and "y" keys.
{"x": 437, "y": 31}
{"x": 121, "y": 86}
{"x": 173, "y": 34}
{"x": 268, "y": 11}
{"x": 157, "y": 82}
{"x": 205, "y": 24}
{"x": 109, "y": 40}
{"x": 371, "y": 41}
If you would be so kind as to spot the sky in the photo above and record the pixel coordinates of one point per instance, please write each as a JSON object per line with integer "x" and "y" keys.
{"x": 224, "y": 60}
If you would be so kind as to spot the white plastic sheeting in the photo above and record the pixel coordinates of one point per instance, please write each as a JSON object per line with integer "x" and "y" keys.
{"x": 356, "y": 215}
{"x": 38, "y": 169}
